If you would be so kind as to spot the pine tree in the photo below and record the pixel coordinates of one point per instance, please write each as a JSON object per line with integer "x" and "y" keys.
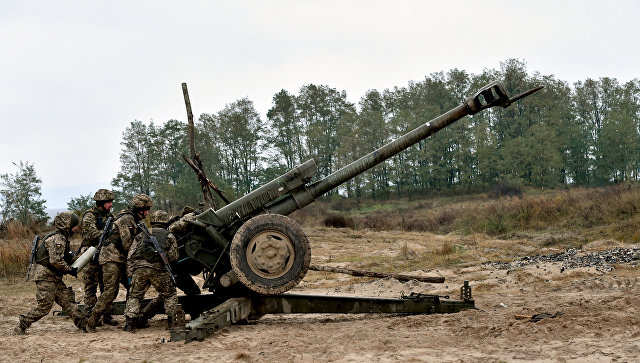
{"x": 20, "y": 196}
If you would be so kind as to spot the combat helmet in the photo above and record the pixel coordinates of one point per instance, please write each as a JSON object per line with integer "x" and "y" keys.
{"x": 140, "y": 202}
{"x": 103, "y": 195}
{"x": 65, "y": 221}
{"x": 160, "y": 217}
{"x": 186, "y": 210}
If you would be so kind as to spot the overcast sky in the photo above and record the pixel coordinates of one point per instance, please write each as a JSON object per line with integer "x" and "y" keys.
{"x": 74, "y": 74}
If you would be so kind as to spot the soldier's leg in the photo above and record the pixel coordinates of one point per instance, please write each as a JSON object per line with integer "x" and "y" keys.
{"x": 139, "y": 286}
{"x": 45, "y": 295}
{"x": 100, "y": 279}
{"x": 111, "y": 278}
{"x": 185, "y": 282}
{"x": 64, "y": 297}
{"x": 167, "y": 290}
{"x": 150, "y": 310}
{"x": 90, "y": 276}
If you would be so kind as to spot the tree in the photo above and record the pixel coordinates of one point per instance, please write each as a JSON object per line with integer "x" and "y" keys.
{"x": 321, "y": 109}
{"x": 237, "y": 137}
{"x": 20, "y": 196}
{"x": 81, "y": 203}
{"x": 286, "y": 130}
{"x": 136, "y": 160}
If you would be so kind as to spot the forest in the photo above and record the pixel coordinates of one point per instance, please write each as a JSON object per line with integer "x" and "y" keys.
{"x": 580, "y": 134}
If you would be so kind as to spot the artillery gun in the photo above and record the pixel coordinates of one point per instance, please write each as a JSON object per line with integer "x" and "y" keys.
{"x": 250, "y": 252}
{"x": 252, "y": 241}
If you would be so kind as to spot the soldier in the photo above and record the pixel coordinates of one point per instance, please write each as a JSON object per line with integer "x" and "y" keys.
{"x": 181, "y": 229}
{"x": 113, "y": 254}
{"x": 93, "y": 221}
{"x": 53, "y": 261}
{"x": 146, "y": 268}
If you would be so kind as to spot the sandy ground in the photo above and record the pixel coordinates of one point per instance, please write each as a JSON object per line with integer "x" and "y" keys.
{"x": 601, "y": 321}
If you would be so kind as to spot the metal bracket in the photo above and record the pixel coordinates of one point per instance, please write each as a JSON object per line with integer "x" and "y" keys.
{"x": 465, "y": 291}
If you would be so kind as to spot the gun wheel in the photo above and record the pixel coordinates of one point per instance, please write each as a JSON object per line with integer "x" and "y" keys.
{"x": 270, "y": 254}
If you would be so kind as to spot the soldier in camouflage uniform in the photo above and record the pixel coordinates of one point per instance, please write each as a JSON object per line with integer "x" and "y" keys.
{"x": 146, "y": 268}
{"x": 113, "y": 254}
{"x": 93, "y": 221}
{"x": 53, "y": 261}
{"x": 181, "y": 229}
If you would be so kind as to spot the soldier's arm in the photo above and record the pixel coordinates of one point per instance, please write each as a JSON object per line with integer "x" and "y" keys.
{"x": 56, "y": 247}
{"x": 135, "y": 245}
{"x": 172, "y": 248}
{"x": 182, "y": 223}
{"x": 127, "y": 231}
{"x": 89, "y": 230}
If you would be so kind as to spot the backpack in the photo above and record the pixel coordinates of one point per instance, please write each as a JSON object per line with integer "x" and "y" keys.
{"x": 42, "y": 254}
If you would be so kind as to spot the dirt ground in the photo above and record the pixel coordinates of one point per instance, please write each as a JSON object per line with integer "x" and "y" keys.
{"x": 601, "y": 320}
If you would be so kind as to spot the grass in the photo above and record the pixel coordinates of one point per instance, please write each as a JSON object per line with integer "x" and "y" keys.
{"x": 15, "y": 253}
{"x": 587, "y": 213}
{"x": 448, "y": 231}
{"x": 14, "y": 257}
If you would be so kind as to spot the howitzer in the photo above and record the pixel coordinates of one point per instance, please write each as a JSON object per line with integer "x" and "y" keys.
{"x": 92, "y": 253}
{"x": 34, "y": 248}
{"x": 158, "y": 249}
{"x": 252, "y": 241}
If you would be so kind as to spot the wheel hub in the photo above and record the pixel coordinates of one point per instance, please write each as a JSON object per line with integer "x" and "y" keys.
{"x": 269, "y": 254}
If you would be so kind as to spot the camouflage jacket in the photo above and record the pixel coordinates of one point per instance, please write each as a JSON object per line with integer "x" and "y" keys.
{"x": 182, "y": 224}
{"x": 57, "y": 246}
{"x": 120, "y": 239}
{"x": 93, "y": 221}
{"x": 136, "y": 258}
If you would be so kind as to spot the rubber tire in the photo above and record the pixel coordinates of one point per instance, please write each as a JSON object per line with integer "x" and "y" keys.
{"x": 270, "y": 222}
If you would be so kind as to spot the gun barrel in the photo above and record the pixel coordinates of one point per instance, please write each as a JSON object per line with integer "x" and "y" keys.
{"x": 290, "y": 192}
{"x": 387, "y": 151}
{"x": 488, "y": 96}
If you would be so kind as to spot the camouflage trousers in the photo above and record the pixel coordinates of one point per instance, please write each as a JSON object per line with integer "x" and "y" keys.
{"x": 142, "y": 279}
{"x": 112, "y": 275}
{"x": 92, "y": 278}
{"x": 47, "y": 293}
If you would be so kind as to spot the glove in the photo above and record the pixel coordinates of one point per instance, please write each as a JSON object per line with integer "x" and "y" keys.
{"x": 74, "y": 272}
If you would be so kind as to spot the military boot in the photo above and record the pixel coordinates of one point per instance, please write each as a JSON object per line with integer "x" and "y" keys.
{"x": 128, "y": 326}
{"x": 21, "y": 328}
{"x": 169, "y": 322}
{"x": 108, "y": 319}
{"x": 143, "y": 321}
{"x": 91, "y": 324}
{"x": 81, "y": 323}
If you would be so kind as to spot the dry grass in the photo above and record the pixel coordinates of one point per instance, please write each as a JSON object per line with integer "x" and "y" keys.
{"x": 586, "y": 214}
{"x": 14, "y": 229}
{"x": 14, "y": 257}
{"x": 15, "y": 253}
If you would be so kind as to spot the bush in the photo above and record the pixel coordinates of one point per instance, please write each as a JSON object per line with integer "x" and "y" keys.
{"x": 14, "y": 257}
{"x": 505, "y": 189}
{"x": 14, "y": 229}
{"x": 338, "y": 221}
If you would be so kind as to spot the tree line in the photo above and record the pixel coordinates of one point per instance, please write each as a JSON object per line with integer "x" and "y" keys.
{"x": 581, "y": 134}
{"x": 584, "y": 134}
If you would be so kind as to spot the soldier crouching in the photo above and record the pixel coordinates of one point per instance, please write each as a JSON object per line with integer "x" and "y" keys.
{"x": 51, "y": 266}
{"x": 146, "y": 268}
